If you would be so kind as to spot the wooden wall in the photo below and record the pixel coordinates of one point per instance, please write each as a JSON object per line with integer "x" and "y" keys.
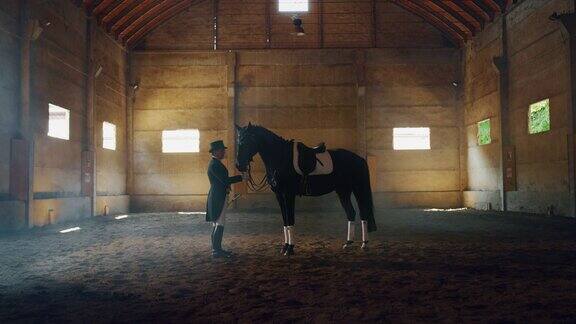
{"x": 110, "y": 106}
{"x": 413, "y": 88}
{"x": 257, "y": 24}
{"x": 176, "y": 91}
{"x": 482, "y": 101}
{"x": 59, "y": 74}
{"x": 299, "y": 91}
{"x": 11, "y": 212}
{"x": 58, "y": 69}
{"x": 539, "y": 69}
{"x": 538, "y": 54}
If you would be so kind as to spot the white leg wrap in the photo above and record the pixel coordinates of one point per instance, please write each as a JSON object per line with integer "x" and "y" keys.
{"x": 290, "y": 231}
{"x": 286, "y": 234}
{"x": 350, "y": 236}
{"x": 364, "y": 231}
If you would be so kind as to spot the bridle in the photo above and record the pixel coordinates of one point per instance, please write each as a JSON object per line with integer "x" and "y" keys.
{"x": 254, "y": 185}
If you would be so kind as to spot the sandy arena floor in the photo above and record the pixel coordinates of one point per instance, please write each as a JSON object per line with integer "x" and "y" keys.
{"x": 423, "y": 266}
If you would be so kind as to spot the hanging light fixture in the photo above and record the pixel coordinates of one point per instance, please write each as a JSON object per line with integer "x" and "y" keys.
{"x": 299, "y": 30}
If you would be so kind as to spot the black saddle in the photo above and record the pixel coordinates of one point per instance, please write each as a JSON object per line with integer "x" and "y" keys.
{"x": 307, "y": 157}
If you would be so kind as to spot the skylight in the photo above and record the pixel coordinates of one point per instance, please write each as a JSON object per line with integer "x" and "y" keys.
{"x": 293, "y": 5}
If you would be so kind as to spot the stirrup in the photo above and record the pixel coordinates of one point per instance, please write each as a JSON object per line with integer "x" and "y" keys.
{"x": 364, "y": 245}
{"x": 348, "y": 244}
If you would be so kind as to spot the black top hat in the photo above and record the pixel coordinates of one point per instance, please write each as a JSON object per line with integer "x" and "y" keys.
{"x": 217, "y": 145}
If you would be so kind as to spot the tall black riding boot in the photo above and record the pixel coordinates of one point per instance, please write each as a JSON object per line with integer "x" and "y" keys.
{"x": 217, "y": 243}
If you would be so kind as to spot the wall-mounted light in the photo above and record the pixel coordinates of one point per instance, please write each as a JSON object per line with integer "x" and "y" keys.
{"x": 455, "y": 84}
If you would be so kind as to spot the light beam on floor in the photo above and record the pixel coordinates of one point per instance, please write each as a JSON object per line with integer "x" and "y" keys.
{"x": 121, "y": 217}
{"x": 73, "y": 229}
{"x": 191, "y": 213}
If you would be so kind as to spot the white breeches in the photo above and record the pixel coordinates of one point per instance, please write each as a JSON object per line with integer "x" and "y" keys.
{"x": 221, "y": 221}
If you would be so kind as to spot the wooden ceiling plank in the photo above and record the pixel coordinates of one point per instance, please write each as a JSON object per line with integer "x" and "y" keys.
{"x": 473, "y": 25}
{"x": 443, "y": 15}
{"x": 447, "y": 30}
{"x": 156, "y": 22}
{"x": 146, "y": 17}
{"x": 486, "y": 9}
{"x": 131, "y": 15}
{"x": 471, "y": 7}
{"x": 101, "y": 7}
{"x": 116, "y": 11}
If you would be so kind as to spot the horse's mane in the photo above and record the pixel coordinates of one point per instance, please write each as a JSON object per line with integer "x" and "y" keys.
{"x": 264, "y": 131}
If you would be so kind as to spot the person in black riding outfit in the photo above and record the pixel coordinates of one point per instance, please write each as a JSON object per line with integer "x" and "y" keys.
{"x": 220, "y": 183}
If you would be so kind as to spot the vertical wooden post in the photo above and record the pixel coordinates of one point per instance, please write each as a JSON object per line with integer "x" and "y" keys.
{"x": 268, "y": 24}
{"x": 360, "y": 67}
{"x": 320, "y": 23}
{"x": 232, "y": 113}
{"x": 130, "y": 98}
{"x": 27, "y": 28}
{"x": 215, "y": 4}
{"x": 89, "y": 152}
{"x": 502, "y": 64}
{"x": 374, "y": 24}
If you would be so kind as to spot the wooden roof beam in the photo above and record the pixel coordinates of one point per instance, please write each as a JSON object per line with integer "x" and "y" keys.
{"x": 469, "y": 21}
{"x": 154, "y": 11}
{"x": 447, "y": 30}
{"x": 116, "y": 11}
{"x": 446, "y": 17}
{"x": 158, "y": 20}
{"x": 101, "y": 7}
{"x": 132, "y": 15}
{"x": 473, "y": 9}
{"x": 482, "y": 4}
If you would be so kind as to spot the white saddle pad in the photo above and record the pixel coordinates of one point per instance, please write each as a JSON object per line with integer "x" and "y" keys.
{"x": 324, "y": 164}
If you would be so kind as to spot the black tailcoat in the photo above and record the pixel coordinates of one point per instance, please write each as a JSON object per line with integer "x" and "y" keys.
{"x": 219, "y": 185}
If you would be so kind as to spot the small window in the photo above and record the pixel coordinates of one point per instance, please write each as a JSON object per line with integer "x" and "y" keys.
{"x": 484, "y": 136}
{"x": 58, "y": 122}
{"x": 539, "y": 117}
{"x": 181, "y": 141}
{"x": 293, "y": 5}
{"x": 109, "y": 136}
{"x": 410, "y": 138}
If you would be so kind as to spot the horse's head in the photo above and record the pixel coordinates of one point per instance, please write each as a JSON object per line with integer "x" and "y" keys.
{"x": 248, "y": 145}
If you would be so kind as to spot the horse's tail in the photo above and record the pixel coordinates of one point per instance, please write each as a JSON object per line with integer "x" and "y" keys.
{"x": 363, "y": 194}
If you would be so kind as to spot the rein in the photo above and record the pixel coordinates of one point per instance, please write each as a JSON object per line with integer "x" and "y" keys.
{"x": 256, "y": 186}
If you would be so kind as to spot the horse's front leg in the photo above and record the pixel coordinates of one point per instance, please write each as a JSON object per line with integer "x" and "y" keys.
{"x": 283, "y": 210}
{"x": 289, "y": 222}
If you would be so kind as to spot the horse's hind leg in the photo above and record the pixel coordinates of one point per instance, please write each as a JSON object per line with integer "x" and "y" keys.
{"x": 346, "y": 201}
{"x": 363, "y": 222}
{"x": 287, "y": 206}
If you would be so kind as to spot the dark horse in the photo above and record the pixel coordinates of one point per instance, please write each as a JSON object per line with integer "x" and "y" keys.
{"x": 350, "y": 175}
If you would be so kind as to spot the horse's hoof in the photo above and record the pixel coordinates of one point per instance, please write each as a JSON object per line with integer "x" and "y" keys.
{"x": 347, "y": 245}
{"x": 284, "y": 248}
{"x": 289, "y": 250}
{"x": 364, "y": 245}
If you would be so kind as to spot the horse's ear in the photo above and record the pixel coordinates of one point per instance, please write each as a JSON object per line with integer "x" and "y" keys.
{"x": 249, "y": 124}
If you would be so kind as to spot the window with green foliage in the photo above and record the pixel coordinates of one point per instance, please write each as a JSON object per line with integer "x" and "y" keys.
{"x": 484, "y": 137}
{"x": 539, "y": 117}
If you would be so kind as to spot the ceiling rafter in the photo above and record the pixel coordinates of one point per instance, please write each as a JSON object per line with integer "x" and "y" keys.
{"x": 460, "y": 26}
{"x": 473, "y": 25}
{"x": 431, "y": 18}
{"x": 130, "y": 21}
